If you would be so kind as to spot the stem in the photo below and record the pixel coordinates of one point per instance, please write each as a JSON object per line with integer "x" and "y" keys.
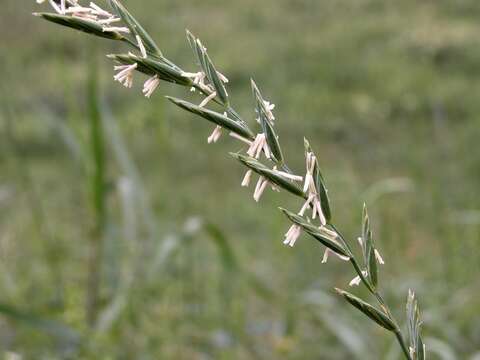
{"x": 400, "y": 340}
{"x": 362, "y": 277}
{"x": 130, "y": 42}
{"x": 377, "y": 295}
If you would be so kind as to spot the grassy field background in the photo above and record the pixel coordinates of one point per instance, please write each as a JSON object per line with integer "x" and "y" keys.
{"x": 191, "y": 267}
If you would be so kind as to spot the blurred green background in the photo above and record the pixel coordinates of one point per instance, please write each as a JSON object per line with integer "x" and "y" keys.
{"x": 190, "y": 267}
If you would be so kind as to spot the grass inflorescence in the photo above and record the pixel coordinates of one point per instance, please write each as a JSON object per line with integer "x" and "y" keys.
{"x": 263, "y": 154}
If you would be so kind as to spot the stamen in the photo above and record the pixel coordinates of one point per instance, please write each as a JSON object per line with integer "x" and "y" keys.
{"x": 379, "y": 257}
{"x": 116, "y": 29}
{"x": 55, "y": 6}
{"x": 150, "y": 86}
{"x": 247, "y": 178}
{"x": 215, "y": 134}
{"x": 143, "y": 51}
{"x": 357, "y": 279}
{"x": 289, "y": 176}
{"x": 241, "y": 138}
{"x": 207, "y": 99}
{"x": 292, "y": 235}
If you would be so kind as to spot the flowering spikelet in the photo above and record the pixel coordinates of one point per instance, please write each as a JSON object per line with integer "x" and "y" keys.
{"x": 55, "y": 7}
{"x": 93, "y": 13}
{"x": 260, "y": 188}
{"x": 309, "y": 187}
{"x": 97, "y": 10}
{"x": 150, "y": 86}
{"x": 247, "y": 178}
{"x": 217, "y": 132}
{"x": 222, "y": 77}
{"x": 269, "y": 110}
{"x": 143, "y": 51}
{"x": 255, "y": 150}
{"x": 379, "y": 257}
{"x": 125, "y": 74}
{"x": 198, "y": 79}
{"x": 292, "y": 235}
{"x": 357, "y": 279}
{"x": 120, "y": 29}
{"x": 207, "y": 99}
{"x": 328, "y": 252}
{"x": 257, "y": 146}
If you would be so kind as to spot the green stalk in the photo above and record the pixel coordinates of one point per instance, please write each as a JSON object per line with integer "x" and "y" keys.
{"x": 97, "y": 188}
{"x": 401, "y": 341}
{"x": 378, "y": 296}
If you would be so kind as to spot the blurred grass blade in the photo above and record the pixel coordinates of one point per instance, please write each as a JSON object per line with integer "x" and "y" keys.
{"x": 213, "y": 117}
{"x": 124, "y": 159}
{"x": 376, "y": 315}
{"x": 269, "y": 174}
{"x": 388, "y": 186}
{"x": 352, "y": 339}
{"x": 98, "y": 181}
{"x": 83, "y": 25}
{"x": 129, "y": 253}
{"x": 165, "y": 250}
{"x": 135, "y": 27}
{"x": 98, "y": 189}
{"x": 443, "y": 350}
{"x": 51, "y": 327}
{"x": 227, "y": 255}
{"x": 112, "y": 312}
{"x": 66, "y": 133}
{"x": 324, "y": 237}
{"x": 262, "y": 287}
{"x": 232, "y": 264}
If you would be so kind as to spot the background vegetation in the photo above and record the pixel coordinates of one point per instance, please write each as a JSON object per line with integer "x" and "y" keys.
{"x": 191, "y": 267}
